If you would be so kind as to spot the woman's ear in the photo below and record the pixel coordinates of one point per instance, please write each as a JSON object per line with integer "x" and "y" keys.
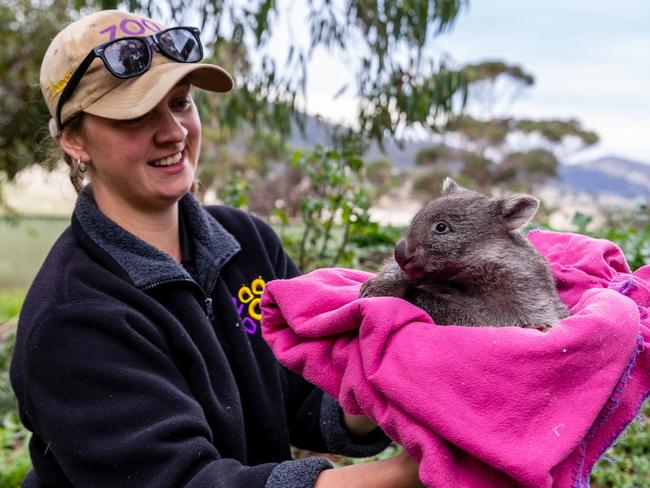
{"x": 72, "y": 143}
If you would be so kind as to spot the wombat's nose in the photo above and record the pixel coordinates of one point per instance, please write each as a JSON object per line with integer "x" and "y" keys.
{"x": 401, "y": 254}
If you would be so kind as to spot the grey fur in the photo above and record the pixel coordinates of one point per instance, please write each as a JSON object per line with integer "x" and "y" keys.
{"x": 477, "y": 268}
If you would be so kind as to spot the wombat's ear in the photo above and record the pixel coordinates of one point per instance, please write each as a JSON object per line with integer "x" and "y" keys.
{"x": 517, "y": 210}
{"x": 449, "y": 186}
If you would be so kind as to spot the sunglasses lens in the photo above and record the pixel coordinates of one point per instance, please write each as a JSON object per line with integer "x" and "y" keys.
{"x": 181, "y": 44}
{"x": 127, "y": 57}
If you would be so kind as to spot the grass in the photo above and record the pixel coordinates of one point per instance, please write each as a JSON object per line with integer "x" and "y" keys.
{"x": 24, "y": 243}
{"x": 10, "y": 302}
{"x": 14, "y": 453}
{"x": 627, "y": 463}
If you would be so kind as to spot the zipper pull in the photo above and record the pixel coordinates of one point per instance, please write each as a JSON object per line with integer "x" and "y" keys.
{"x": 208, "y": 309}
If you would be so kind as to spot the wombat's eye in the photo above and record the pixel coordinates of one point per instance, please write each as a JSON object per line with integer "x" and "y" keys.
{"x": 441, "y": 227}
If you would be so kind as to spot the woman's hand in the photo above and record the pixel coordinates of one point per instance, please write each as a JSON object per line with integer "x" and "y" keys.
{"x": 358, "y": 425}
{"x": 400, "y": 471}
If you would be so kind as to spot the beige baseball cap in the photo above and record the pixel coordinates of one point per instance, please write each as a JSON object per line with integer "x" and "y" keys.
{"x": 99, "y": 92}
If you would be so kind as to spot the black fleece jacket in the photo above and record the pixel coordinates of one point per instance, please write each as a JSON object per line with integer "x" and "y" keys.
{"x": 132, "y": 372}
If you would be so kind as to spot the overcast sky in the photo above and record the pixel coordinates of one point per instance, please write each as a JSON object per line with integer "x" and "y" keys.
{"x": 590, "y": 59}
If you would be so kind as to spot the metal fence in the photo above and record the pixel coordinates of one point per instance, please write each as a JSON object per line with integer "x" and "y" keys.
{"x": 24, "y": 244}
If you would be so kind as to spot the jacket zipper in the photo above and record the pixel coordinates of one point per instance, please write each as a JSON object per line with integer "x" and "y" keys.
{"x": 208, "y": 309}
{"x": 208, "y": 297}
{"x": 213, "y": 284}
{"x": 207, "y": 301}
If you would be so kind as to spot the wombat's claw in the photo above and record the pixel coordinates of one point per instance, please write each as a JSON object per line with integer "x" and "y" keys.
{"x": 364, "y": 293}
{"x": 380, "y": 288}
{"x": 373, "y": 288}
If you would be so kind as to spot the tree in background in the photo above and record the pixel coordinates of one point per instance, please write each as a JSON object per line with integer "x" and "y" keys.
{"x": 398, "y": 82}
{"x": 489, "y": 152}
{"x": 26, "y": 28}
{"x": 386, "y": 45}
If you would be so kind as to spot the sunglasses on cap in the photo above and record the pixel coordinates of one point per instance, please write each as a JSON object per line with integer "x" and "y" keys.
{"x": 127, "y": 57}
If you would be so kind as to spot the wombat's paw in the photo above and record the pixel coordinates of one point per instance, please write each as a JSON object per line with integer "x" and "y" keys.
{"x": 368, "y": 289}
{"x": 376, "y": 287}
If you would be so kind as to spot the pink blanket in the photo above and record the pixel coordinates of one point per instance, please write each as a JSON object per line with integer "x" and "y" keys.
{"x": 480, "y": 407}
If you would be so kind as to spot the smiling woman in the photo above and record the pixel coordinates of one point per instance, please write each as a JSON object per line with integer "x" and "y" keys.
{"x": 139, "y": 360}
{"x": 141, "y": 165}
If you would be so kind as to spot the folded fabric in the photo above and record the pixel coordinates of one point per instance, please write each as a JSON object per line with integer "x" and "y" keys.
{"x": 480, "y": 407}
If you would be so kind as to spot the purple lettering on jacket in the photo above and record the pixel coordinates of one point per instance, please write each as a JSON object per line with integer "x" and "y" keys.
{"x": 238, "y": 306}
{"x": 250, "y": 328}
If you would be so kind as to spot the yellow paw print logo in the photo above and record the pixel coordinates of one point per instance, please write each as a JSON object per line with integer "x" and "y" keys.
{"x": 249, "y": 299}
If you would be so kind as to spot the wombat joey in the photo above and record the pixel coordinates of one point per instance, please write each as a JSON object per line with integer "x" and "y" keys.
{"x": 464, "y": 262}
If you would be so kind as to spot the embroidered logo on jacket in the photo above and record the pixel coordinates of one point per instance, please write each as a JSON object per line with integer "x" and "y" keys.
{"x": 247, "y": 303}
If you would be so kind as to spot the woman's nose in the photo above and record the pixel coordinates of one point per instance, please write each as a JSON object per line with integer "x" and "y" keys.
{"x": 170, "y": 127}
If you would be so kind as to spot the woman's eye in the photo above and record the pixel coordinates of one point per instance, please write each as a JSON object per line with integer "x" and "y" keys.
{"x": 441, "y": 227}
{"x": 183, "y": 103}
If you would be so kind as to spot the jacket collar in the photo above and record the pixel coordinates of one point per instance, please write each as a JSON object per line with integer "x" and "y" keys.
{"x": 147, "y": 266}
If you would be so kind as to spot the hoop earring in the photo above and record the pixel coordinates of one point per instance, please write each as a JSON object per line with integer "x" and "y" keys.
{"x": 81, "y": 166}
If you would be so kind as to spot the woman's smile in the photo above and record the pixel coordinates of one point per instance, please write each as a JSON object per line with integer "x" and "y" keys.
{"x": 167, "y": 161}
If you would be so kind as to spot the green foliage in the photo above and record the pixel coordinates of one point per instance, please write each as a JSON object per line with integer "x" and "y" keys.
{"x": 429, "y": 184}
{"x": 333, "y": 211}
{"x": 478, "y": 170}
{"x": 10, "y": 303}
{"x": 627, "y": 464}
{"x": 557, "y": 130}
{"x": 487, "y": 161}
{"x": 634, "y": 242}
{"x": 382, "y": 177}
{"x": 335, "y": 229}
{"x": 372, "y": 243}
{"x": 483, "y": 132}
{"x": 14, "y": 455}
{"x": 234, "y": 193}
{"x": 533, "y": 166}
{"x": 7, "y": 400}
{"x": 407, "y": 98}
{"x": 493, "y": 132}
{"x": 26, "y": 28}
{"x": 430, "y": 155}
{"x": 484, "y": 147}
{"x": 490, "y": 70}
{"x": 398, "y": 79}
{"x": 629, "y": 229}
{"x": 14, "y": 452}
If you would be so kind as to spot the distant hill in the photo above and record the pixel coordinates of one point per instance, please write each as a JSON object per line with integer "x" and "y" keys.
{"x": 319, "y": 131}
{"x": 611, "y": 175}
{"x": 608, "y": 175}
